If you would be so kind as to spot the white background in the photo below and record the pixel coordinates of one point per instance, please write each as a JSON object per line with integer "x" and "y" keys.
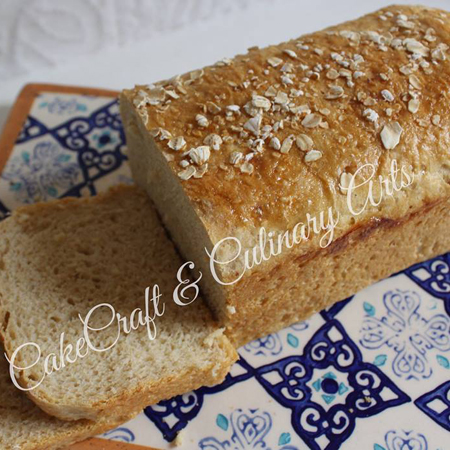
{"x": 127, "y": 53}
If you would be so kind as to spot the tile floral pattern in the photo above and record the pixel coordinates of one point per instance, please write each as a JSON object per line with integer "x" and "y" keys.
{"x": 371, "y": 372}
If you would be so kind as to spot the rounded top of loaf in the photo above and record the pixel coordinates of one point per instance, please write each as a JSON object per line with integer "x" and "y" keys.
{"x": 268, "y": 137}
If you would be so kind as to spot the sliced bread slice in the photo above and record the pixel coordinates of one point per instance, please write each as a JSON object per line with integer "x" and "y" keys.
{"x": 23, "y": 426}
{"x": 60, "y": 260}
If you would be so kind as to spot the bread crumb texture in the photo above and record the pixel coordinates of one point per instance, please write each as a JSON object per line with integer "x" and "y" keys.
{"x": 63, "y": 258}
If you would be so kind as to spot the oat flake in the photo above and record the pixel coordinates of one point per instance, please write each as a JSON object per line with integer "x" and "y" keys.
{"x": 311, "y": 121}
{"x": 414, "y": 46}
{"x": 304, "y": 142}
{"x": 201, "y": 171}
{"x": 247, "y": 168}
{"x": 332, "y": 74}
{"x": 370, "y": 115}
{"x": 390, "y": 135}
{"x": 214, "y": 141}
{"x": 202, "y": 121}
{"x": 313, "y": 155}
{"x": 187, "y": 173}
{"x": 413, "y": 105}
{"x": 287, "y": 144}
{"x": 177, "y": 143}
{"x": 415, "y": 82}
{"x": 253, "y": 124}
{"x": 258, "y": 101}
{"x": 274, "y": 61}
{"x": 335, "y": 92}
{"x": 275, "y": 143}
{"x": 387, "y": 95}
{"x": 281, "y": 98}
{"x": 236, "y": 158}
{"x": 200, "y": 154}
{"x": 290, "y": 52}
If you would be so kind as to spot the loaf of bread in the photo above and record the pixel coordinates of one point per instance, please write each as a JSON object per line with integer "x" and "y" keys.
{"x": 291, "y": 140}
{"x": 63, "y": 259}
{"x": 23, "y": 426}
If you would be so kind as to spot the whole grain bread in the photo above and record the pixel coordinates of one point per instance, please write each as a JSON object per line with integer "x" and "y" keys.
{"x": 58, "y": 260}
{"x": 23, "y": 426}
{"x": 271, "y": 138}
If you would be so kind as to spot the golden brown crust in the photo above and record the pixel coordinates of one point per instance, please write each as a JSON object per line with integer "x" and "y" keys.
{"x": 307, "y": 284}
{"x": 283, "y": 187}
{"x": 79, "y": 432}
{"x": 133, "y": 401}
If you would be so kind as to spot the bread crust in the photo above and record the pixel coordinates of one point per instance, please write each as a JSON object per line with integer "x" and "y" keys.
{"x": 35, "y": 430}
{"x": 133, "y": 401}
{"x": 388, "y": 70}
{"x": 315, "y": 281}
{"x": 78, "y": 433}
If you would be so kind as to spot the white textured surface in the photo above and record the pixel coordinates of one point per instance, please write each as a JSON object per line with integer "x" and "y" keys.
{"x": 116, "y": 43}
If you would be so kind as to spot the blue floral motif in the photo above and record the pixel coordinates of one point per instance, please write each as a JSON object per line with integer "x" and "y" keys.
{"x": 97, "y": 156}
{"x": 300, "y": 326}
{"x": 329, "y": 387}
{"x": 380, "y": 360}
{"x": 105, "y": 139}
{"x": 222, "y": 422}
{"x": 41, "y": 174}
{"x": 109, "y": 117}
{"x": 403, "y": 440}
{"x": 249, "y": 430}
{"x": 284, "y": 438}
{"x": 171, "y": 416}
{"x": 267, "y": 345}
{"x": 32, "y": 128}
{"x": 408, "y": 333}
{"x": 71, "y": 158}
{"x": 443, "y": 361}
{"x": 272, "y": 344}
{"x": 120, "y": 434}
{"x": 61, "y": 106}
{"x": 436, "y": 405}
{"x": 434, "y": 277}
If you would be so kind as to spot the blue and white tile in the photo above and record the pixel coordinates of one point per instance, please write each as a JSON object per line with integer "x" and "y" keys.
{"x": 243, "y": 417}
{"x": 329, "y": 387}
{"x": 286, "y": 342}
{"x": 436, "y": 405}
{"x": 52, "y": 109}
{"x": 39, "y": 169}
{"x": 120, "y": 176}
{"x": 401, "y": 428}
{"x": 403, "y": 330}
